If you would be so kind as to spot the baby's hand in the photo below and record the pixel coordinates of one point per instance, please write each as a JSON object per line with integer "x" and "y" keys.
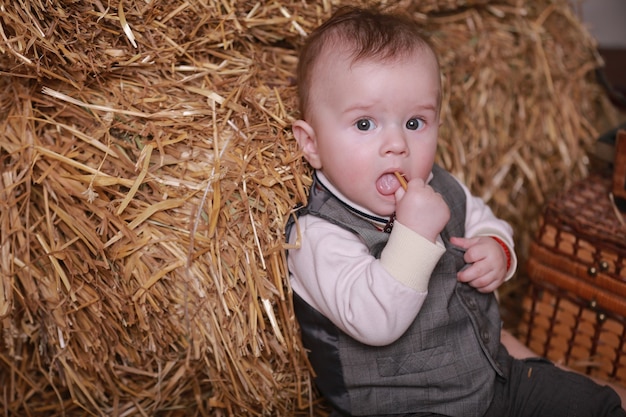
{"x": 488, "y": 263}
{"x": 421, "y": 209}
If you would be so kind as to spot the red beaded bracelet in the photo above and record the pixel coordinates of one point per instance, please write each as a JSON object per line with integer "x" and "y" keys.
{"x": 506, "y": 250}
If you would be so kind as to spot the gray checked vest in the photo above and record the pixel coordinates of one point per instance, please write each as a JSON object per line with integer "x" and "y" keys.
{"x": 445, "y": 363}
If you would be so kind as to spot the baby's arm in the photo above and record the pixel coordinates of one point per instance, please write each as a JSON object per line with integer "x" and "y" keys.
{"x": 373, "y": 302}
{"x": 488, "y": 245}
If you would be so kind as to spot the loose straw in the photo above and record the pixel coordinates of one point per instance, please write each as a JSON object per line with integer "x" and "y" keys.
{"x": 401, "y": 179}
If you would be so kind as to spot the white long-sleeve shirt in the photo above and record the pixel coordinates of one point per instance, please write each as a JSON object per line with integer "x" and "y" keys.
{"x": 374, "y": 300}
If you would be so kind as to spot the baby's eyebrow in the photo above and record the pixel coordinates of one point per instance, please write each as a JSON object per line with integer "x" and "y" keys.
{"x": 427, "y": 106}
{"x": 427, "y": 109}
{"x": 358, "y": 107}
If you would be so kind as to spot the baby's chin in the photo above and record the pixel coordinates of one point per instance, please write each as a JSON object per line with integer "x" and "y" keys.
{"x": 375, "y": 204}
{"x": 384, "y": 210}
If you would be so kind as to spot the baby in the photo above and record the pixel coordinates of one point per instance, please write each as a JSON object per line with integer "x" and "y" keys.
{"x": 394, "y": 287}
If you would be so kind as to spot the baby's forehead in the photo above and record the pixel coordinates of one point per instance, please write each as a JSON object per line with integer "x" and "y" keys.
{"x": 348, "y": 56}
{"x": 419, "y": 65}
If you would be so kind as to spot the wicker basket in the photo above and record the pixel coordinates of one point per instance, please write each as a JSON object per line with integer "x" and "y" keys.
{"x": 575, "y": 310}
{"x": 619, "y": 168}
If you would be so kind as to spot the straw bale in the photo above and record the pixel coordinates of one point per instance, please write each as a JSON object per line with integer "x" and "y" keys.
{"x": 148, "y": 169}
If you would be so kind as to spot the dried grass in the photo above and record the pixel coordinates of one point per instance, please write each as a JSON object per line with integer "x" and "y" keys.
{"x": 148, "y": 170}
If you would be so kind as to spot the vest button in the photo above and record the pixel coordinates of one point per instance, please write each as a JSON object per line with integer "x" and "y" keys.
{"x": 471, "y": 303}
{"x": 484, "y": 334}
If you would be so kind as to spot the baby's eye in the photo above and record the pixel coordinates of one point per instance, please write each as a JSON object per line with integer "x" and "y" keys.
{"x": 365, "y": 124}
{"x": 414, "y": 124}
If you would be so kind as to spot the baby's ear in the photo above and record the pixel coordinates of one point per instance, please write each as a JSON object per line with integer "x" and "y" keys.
{"x": 305, "y": 136}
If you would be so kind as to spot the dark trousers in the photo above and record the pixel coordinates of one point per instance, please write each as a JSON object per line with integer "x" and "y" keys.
{"x": 538, "y": 388}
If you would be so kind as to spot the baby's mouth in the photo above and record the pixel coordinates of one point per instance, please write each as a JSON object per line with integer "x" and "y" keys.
{"x": 387, "y": 184}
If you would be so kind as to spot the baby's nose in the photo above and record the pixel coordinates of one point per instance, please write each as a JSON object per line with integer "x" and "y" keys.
{"x": 395, "y": 142}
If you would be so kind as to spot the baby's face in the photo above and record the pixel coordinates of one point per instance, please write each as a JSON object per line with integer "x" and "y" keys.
{"x": 369, "y": 119}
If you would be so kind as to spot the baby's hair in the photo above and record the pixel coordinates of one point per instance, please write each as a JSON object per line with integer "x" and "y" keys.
{"x": 365, "y": 34}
